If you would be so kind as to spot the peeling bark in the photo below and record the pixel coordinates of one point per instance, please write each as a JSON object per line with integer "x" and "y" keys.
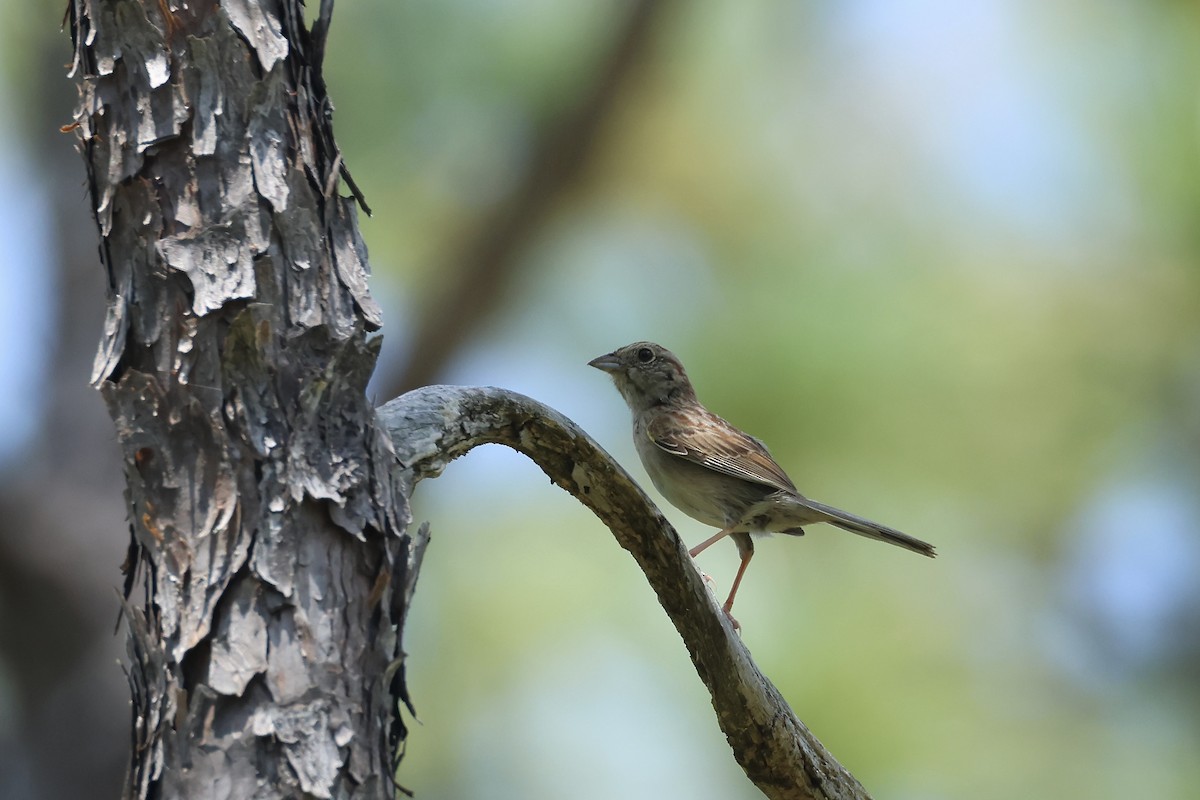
{"x": 432, "y": 426}
{"x": 269, "y": 525}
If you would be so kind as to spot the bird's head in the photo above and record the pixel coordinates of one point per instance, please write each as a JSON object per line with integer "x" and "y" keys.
{"x": 646, "y": 375}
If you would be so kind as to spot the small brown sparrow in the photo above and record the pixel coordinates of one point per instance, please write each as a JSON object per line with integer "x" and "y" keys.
{"x": 712, "y": 471}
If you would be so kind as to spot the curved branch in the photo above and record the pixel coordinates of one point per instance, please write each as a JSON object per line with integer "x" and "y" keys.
{"x": 432, "y": 426}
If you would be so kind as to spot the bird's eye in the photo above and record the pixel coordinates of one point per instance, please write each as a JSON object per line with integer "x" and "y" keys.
{"x": 645, "y": 355}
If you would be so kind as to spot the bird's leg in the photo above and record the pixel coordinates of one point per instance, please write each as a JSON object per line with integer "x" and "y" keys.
{"x": 695, "y": 551}
{"x": 745, "y": 549}
{"x": 737, "y": 579}
{"x": 718, "y": 536}
{"x": 745, "y": 546}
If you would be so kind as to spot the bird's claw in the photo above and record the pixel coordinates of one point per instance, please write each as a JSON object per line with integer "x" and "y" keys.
{"x": 737, "y": 626}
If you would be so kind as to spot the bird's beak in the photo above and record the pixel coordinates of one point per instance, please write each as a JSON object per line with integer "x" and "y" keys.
{"x": 606, "y": 363}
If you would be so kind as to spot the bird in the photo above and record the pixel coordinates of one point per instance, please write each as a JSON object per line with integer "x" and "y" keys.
{"x": 711, "y": 470}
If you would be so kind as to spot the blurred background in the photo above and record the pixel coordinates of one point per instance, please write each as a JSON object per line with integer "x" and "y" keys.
{"x": 943, "y": 257}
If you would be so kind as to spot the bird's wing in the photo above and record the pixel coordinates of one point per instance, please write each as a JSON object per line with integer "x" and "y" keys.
{"x": 708, "y": 440}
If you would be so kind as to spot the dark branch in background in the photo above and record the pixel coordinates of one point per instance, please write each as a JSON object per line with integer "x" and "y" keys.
{"x": 476, "y": 276}
{"x": 432, "y": 426}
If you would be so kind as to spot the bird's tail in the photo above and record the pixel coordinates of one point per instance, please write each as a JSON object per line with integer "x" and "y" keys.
{"x": 872, "y": 530}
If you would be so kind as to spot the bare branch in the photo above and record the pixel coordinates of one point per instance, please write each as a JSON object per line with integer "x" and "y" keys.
{"x": 432, "y": 426}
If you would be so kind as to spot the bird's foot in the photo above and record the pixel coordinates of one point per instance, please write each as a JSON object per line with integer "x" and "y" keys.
{"x": 737, "y": 626}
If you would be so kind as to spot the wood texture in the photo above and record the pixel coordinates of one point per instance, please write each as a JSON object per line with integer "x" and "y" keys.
{"x": 270, "y": 527}
{"x": 432, "y": 426}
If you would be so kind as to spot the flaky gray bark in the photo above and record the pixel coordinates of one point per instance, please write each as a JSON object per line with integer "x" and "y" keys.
{"x": 265, "y": 514}
{"x": 434, "y": 425}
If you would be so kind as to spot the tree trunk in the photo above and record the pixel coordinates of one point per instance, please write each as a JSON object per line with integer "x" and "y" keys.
{"x": 265, "y": 516}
